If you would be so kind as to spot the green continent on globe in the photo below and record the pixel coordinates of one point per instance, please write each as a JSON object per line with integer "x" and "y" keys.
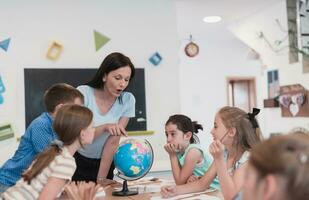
{"x": 135, "y": 169}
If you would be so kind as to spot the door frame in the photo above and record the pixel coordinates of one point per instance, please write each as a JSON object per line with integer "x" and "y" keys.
{"x": 252, "y": 87}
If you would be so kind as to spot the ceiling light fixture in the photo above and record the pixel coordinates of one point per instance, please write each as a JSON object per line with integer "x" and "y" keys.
{"x": 212, "y": 19}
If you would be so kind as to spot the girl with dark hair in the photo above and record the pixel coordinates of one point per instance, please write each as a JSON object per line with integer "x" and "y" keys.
{"x": 188, "y": 160}
{"x": 112, "y": 108}
{"x": 54, "y": 167}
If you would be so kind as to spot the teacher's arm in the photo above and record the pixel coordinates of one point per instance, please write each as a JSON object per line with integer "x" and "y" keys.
{"x": 109, "y": 150}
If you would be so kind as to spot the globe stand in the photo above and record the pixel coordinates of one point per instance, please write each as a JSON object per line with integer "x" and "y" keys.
{"x": 125, "y": 191}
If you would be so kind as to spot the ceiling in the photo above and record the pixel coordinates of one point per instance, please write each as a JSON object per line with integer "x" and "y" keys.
{"x": 229, "y": 10}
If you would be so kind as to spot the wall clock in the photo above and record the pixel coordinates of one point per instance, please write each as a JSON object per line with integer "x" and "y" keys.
{"x": 191, "y": 49}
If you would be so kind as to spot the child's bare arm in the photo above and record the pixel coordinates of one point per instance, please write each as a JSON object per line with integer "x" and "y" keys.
{"x": 182, "y": 174}
{"x": 52, "y": 188}
{"x": 230, "y": 184}
{"x": 197, "y": 186}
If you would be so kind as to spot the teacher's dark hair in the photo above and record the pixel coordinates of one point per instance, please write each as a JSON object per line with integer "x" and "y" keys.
{"x": 111, "y": 62}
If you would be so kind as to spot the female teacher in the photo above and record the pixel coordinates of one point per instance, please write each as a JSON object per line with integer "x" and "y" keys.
{"x": 112, "y": 108}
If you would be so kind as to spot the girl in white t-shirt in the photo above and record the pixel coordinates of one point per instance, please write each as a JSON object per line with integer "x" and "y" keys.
{"x": 54, "y": 167}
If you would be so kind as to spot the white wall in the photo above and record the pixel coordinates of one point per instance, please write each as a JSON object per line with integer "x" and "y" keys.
{"x": 247, "y": 30}
{"x": 136, "y": 28}
{"x": 203, "y": 78}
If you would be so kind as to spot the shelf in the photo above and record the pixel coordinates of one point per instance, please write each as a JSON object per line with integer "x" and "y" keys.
{"x": 271, "y": 103}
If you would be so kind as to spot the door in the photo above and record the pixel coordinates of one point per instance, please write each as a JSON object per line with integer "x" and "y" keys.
{"x": 241, "y": 93}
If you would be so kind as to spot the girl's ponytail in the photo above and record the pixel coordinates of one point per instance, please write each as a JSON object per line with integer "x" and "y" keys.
{"x": 195, "y": 127}
{"x": 42, "y": 161}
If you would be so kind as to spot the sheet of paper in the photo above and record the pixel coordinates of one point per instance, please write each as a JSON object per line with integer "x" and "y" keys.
{"x": 151, "y": 180}
{"x": 148, "y": 188}
{"x": 193, "y": 196}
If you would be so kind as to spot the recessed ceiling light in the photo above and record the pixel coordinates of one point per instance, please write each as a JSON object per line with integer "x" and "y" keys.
{"x": 212, "y": 19}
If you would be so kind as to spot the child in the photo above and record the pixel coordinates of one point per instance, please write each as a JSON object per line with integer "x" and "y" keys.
{"x": 39, "y": 134}
{"x": 187, "y": 158}
{"x": 234, "y": 134}
{"x": 55, "y": 166}
{"x": 278, "y": 168}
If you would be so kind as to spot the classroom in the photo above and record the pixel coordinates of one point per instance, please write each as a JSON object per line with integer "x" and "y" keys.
{"x": 191, "y": 57}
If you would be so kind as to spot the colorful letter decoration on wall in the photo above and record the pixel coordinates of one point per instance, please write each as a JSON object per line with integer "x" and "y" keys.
{"x": 155, "y": 59}
{"x": 6, "y": 131}
{"x": 2, "y": 90}
{"x": 54, "y": 51}
{"x": 5, "y": 44}
{"x": 100, "y": 40}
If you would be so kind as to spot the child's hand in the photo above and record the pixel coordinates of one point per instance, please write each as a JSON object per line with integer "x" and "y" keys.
{"x": 81, "y": 190}
{"x": 216, "y": 149}
{"x": 171, "y": 148}
{"x": 193, "y": 178}
{"x": 168, "y": 191}
{"x": 71, "y": 191}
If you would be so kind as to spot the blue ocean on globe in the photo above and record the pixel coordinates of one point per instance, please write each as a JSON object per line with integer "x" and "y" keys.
{"x": 134, "y": 158}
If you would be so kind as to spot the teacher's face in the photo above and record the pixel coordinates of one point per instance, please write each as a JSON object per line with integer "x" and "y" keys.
{"x": 116, "y": 81}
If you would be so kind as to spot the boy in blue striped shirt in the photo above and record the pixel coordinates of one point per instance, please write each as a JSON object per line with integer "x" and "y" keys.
{"x": 39, "y": 134}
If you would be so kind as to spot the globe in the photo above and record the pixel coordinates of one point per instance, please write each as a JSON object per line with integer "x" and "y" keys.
{"x": 133, "y": 160}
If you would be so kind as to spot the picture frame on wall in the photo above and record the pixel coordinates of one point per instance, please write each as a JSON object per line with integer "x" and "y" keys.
{"x": 273, "y": 85}
{"x": 293, "y": 101}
